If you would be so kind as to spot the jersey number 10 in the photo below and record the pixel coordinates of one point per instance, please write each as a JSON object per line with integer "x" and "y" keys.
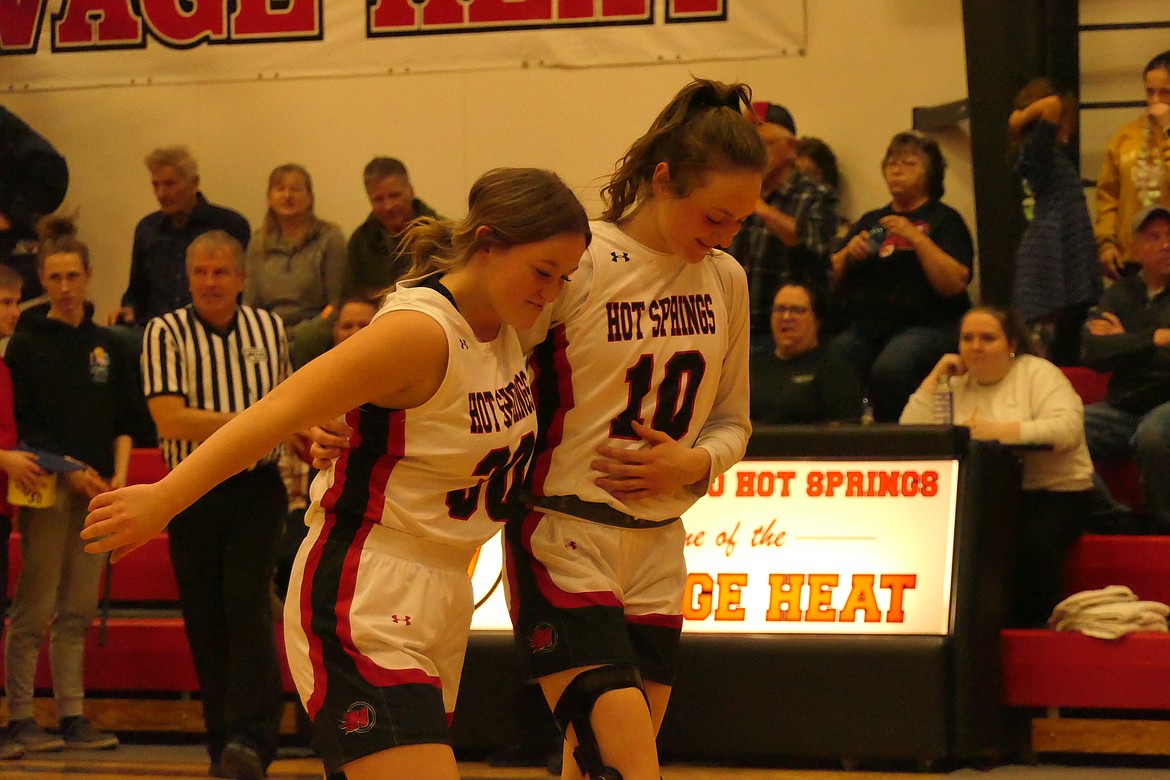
{"x": 675, "y": 404}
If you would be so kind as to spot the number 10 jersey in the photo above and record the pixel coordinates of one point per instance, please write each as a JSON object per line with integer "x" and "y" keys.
{"x": 641, "y": 335}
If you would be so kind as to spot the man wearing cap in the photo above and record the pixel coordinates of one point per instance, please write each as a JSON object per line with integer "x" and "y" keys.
{"x": 788, "y": 237}
{"x": 1131, "y": 338}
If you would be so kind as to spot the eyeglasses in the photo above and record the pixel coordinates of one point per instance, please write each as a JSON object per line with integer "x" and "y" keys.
{"x": 781, "y": 309}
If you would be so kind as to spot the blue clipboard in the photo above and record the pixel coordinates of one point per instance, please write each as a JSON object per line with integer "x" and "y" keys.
{"x": 53, "y": 463}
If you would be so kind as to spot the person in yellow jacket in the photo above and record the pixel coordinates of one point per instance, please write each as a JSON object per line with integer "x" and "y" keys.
{"x": 1136, "y": 172}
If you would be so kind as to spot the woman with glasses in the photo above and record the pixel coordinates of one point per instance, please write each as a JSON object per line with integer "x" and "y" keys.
{"x": 798, "y": 381}
{"x": 901, "y": 278}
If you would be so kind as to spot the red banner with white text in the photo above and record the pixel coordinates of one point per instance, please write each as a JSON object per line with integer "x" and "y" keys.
{"x": 51, "y": 44}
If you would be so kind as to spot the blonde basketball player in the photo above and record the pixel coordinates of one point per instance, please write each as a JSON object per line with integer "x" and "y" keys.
{"x": 437, "y": 395}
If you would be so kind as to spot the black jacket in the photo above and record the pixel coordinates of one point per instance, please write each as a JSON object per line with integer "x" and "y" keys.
{"x": 73, "y": 388}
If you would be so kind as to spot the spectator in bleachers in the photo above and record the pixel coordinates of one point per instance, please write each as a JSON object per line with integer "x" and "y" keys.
{"x": 1057, "y": 277}
{"x": 296, "y": 261}
{"x": 158, "y": 279}
{"x": 798, "y": 380}
{"x": 224, "y": 545}
{"x": 788, "y": 236}
{"x": 17, "y": 465}
{"x": 352, "y": 315}
{"x": 901, "y": 277}
{"x": 1130, "y": 337}
{"x": 374, "y": 261}
{"x": 1003, "y": 393}
{"x": 348, "y": 316}
{"x": 1135, "y": 173}
{"x": 72, "y": 397}
{"x": 816, "y": 160}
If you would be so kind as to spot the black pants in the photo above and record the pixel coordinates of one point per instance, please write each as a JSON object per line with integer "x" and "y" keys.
{"x": 1049, "y": 524}
{"x": 223, "y": 549}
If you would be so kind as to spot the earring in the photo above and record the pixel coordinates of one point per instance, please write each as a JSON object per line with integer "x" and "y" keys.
{"x": 1012, "y": 355}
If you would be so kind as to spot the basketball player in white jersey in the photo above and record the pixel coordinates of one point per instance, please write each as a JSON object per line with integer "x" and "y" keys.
{"x": 642, "y": 397}
{"x": 437, "y": 394}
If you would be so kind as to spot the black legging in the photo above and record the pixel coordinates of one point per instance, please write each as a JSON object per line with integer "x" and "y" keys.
{"x": 1049, "y": 522}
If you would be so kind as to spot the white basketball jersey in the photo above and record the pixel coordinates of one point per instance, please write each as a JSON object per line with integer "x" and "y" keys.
{"x": 641, "y": 335}
{"x": 448, "y": 470}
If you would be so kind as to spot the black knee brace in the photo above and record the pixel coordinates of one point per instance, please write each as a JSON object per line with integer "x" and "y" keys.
{"x": 576, "y": 708}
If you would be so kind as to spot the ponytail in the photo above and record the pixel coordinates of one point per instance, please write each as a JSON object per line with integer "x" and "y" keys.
{"x": 703, "y": 128}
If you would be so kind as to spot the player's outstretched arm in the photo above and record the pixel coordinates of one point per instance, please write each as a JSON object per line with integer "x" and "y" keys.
{"x": 399, "y": 361}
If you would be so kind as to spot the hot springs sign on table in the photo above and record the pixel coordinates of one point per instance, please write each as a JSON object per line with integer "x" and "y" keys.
{"x": 813, "y": 547}
{"x": 70, "y": 43}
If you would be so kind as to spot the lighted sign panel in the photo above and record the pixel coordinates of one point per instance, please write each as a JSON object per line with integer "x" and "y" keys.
{"x": 841, "y": 547}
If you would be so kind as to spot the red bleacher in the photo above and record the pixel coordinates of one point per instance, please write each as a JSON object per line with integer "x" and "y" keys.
{"x": 140, "y": 654}
{"x": 1058, "y": 669}
{"x": 146, "y": 576}
{"x": 1121, "y": 475}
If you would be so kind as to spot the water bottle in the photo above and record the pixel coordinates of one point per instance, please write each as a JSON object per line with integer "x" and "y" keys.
{"x": 944, "y": 401}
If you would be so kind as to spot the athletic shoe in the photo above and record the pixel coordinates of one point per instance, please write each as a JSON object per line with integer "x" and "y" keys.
{"x": 241, "y": 761}
{"x": 33, "y": 738}
{"x": 79, "y": 734}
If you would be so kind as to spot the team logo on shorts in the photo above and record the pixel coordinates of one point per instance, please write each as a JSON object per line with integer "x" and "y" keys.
{"x": 543, "y": 638}
{"x": 358, "y": 719}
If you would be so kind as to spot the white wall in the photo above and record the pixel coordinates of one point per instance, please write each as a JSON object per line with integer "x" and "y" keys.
{"x": 867, "y": 65}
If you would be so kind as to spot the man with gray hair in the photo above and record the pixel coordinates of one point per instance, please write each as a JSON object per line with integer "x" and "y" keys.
{"x": 223, "y": 546}
{"x": 373, "y": 247}
{"x": 158, "y": 281}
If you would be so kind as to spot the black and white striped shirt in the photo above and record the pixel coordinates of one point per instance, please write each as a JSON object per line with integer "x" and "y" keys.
{"x": 219, "y": 372}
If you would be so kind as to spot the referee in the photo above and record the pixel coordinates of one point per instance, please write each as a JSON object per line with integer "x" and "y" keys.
{"x": 201, "y": 365}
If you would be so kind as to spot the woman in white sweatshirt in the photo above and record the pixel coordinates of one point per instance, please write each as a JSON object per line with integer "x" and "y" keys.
{"x": 1003, "y": 393}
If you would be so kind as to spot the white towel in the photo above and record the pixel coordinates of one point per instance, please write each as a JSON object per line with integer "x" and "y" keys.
{"x": 1109, "y": 613}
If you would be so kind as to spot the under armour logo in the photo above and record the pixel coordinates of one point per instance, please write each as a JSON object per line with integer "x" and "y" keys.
{"x": 614, "y": 256}
{"x": 463, "y": 344}
{"x": 404, "y": 619}
{"x": 570, "y": 545}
